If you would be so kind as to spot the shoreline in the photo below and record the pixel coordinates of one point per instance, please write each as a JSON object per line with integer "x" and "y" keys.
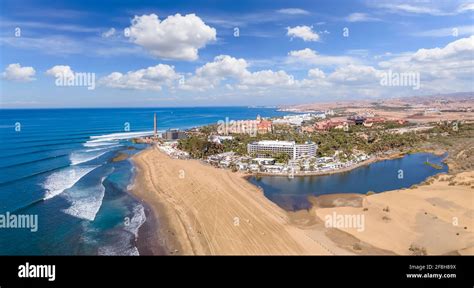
{"x": 346, "y": 169}
{"x": 321, "y": 173}
{"x": 151, "y": 238}
{"x": 148, "y": 241}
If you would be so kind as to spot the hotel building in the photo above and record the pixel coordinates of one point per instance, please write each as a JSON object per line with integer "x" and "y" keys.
{"x": 174, "y": 134}
{"x": 295, "y": 151}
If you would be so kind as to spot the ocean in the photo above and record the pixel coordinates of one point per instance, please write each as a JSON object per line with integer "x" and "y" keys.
{"x": 57, "y": 165}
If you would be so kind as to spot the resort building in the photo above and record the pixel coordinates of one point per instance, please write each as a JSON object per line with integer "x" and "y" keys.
{"x": 263, "y": 161}
{"x": 357, "y": 119}
{"x": 329, "y": 124}
{"x": 218, "y": 139}
{"x": 265, "y": 126}
{"x": 307, "y": 129}
{"x": 298, "y": 120}
{"x": 265, "y": 148}
{"x": 174, "y": 134}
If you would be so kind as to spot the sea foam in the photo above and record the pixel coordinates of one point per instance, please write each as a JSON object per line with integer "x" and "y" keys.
{"x": 117, "y": 136}
{"x": 84, "y": 156}
{"x": 137, "y": 220}
{"x": 85, "y": 203}
{"x": 64, "y": 179}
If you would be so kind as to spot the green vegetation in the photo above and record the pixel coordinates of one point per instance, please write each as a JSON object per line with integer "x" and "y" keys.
{"x": 199, "y": 147}
{"x": 436, "y": 166}
{"x": 281, "y": 157}
{"x": 370, "y": 140}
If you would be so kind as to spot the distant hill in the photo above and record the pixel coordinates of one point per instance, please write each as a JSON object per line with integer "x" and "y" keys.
{"x": 426, "y": 100}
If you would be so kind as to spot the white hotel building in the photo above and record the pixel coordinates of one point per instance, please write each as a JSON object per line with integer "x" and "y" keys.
{"x": 289, "y": 147}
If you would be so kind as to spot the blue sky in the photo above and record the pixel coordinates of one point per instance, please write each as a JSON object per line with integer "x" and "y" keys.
{"x": 286, "y": 52}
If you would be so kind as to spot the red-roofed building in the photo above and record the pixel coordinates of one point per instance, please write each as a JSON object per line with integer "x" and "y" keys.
{"x": 265, "y": 126}
{"x": 328, "y": 124}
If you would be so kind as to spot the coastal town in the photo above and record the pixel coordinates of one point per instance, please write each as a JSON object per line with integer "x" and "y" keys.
{"x": 314, "y": 142}
{"x": 193, "y": 171}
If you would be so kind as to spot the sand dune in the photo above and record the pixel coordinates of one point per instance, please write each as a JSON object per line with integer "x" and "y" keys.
{"x": 436, "y": 218}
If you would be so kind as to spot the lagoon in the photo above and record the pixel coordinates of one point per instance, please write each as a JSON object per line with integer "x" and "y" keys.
{"x": 292, "y": 194}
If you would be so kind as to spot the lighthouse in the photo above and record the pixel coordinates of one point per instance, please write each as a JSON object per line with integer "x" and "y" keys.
{"x": 155, "y": 132}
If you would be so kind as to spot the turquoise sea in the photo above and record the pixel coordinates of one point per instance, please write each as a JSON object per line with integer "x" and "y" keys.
{"x": 57, "y": 164}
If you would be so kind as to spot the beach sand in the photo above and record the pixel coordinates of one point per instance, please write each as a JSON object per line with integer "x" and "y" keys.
{"x": 202, "y": 210}
{"x": 436, "y": 218}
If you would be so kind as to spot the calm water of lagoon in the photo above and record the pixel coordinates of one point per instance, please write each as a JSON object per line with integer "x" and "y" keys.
{"x": 292, "y": 194}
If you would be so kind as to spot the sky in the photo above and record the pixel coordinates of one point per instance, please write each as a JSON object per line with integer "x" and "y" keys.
{"x": 220, "y": 53}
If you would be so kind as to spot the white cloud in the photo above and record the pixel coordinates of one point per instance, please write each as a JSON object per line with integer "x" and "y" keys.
{"x": 109, "y": 33}
{"x": 355, "y": 74}
{"x": 360, "y": 17}
{"x": 454, "y": 31}
{"x": 225, "y": 67}
{"x": 34, "y": 25}
{"x": 434, "y": 8}
{"x": 410, "y": 8}
{"x": 55, "y": 45}
{"x": 17, "y": 73}
{"x": 267, "y": 78}
{"x": 212, "y": 73}
{"x": 441, "y": 70}
{"x": 67, "y": 45}
{"x": 293, "y": 11}
{"x": 462, "y": 48}
{"x": 304, "y": 32}
{"x": 176, "y": 37}
{"x": 414, "y": 9}
{"x": 466, "y": 7}
{"x": 444, "y": 69}
{"x": 309, "y": 56}
{"x": 315, "y": 78}
{"x": 316, "y": 73}
{"x": 61, "y": 70}
{"x": 452, "y": 64}
{"x": 151, "y": 78}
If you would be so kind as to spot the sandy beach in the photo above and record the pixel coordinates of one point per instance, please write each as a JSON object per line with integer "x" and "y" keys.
{"x": 202, "y": 210}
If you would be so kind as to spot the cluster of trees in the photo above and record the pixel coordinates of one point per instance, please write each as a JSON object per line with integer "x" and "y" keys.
{"x": 376, "y": 141}
{"x": 199, "y": 147}
{"x": 328, "y": 143}
{"x": 390, "y": 141}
